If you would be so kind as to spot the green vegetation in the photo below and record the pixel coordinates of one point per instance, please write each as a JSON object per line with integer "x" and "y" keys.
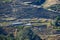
{"x": 5, "y": 0}
{"x": 27, "y": 34}
{"x": 56, "y": 23}
{"x": 24, "y": 33}
{"x": 55, "y": 7}
{"x": 56, "y": 28}
{"x": 58, "y": 17}
{"x": 3, "y": 37}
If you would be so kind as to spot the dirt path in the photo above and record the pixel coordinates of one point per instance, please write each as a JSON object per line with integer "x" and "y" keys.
{"x": 49, "y": 3}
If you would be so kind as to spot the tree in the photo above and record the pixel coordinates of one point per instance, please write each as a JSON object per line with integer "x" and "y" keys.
{"x": 27, "y": 34}
{"x": 57, "y": 22}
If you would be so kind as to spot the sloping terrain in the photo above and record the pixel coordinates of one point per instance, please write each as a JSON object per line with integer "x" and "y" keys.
{"x": 50, "y": 2}
{"x": 25, "y": 12}
{"x": 24, "y": 22}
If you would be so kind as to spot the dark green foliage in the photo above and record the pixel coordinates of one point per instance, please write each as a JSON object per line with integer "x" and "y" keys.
{"x": 27, "y": 34}
{"x": 57, "y": 22}
{"x": 58, "y": 17}
{"x": 20, "y": 27}
{"x": 3, "y": 37}
{"x": 24, "y": 33}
